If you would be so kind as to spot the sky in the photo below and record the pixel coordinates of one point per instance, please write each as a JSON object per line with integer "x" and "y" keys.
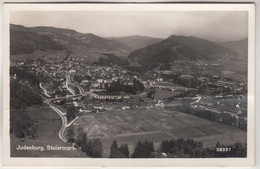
{"x": 215, "y": 26}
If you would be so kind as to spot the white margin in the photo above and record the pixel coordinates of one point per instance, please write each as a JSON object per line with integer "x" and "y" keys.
{"x": 69, "y": 162}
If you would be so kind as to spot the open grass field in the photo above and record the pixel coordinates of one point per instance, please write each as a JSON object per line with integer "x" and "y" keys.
{"x": 48, "y": 125}
{"x": 130, "y": 126}
{"x": 163, "y": 94}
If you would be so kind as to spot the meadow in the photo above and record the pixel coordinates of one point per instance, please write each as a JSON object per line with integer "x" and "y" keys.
{"x": 130, "y": 126}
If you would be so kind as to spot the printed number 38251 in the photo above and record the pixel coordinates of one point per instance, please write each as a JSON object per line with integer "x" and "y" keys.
{"x": 223, "y": 149}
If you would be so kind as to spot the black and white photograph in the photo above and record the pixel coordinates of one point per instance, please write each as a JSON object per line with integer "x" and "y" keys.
{"x": 129, "y": 82}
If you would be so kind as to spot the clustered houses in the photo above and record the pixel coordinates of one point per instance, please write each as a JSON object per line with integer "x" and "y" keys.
{"x": 233, "y": 106}
{"x": 97, "y": 77}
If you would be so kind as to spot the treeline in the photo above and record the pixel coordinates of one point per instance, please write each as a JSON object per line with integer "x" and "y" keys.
{"x": 144, "y": 67}
{"x": 143, "y": 149}
{"x": 23, "y": 95}
{"x": 72, "y": 112}
{"x": 119, "y": 152}
{"x": 138, "y": 69}
{"x": 118, "y": 86}
{"x": 24, "y": 75}
{"x": 179, "y": 148}
{"x": 111, "y": 59}
{"x": 166, "y": 66}
{"x": 21, "y": 124}
{"x": 174, "y": 148}
{"x": 224, "y": 118}
{"x": 191, "y": 82}
{"x": 92, "y": 147}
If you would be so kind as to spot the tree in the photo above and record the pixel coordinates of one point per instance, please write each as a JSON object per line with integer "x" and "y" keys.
{"x": 113, "y": 150}
{"x": 70, "y": 135}
{"x": 124, "y": 150}
{"x": 88, "y": 148}
{"x": 80, "y": 137}
{"x": 118, "y": 86}
{"x": 18, "y": 130}
{"x": 121, "y": 152}
{"x": 97, "y": 149}
{"x": 239, "y": 150}
{"x": 84, "y": 143}
{"x": 94, "y": 148}
{"x": 77, "y": 78}
{"x": 21, "y": 124}
{"x": 181, "y": 147}
{"x": 23, "y": 74}
{"x": 138, "y": 85}
{"x": 143, "y": 149}
{"x": 190, "y": 149}
{"x": 218, "y": 144}
{"x": 22, "y": 95}
{"x": 242, "y": 123}
{"x": 71, "y": 113}
{"x": 166, "y": 146}
{"x": 150, "y": 94}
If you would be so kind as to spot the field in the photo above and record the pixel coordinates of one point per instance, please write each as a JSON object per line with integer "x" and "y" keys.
{"x": 130, "y": 126}
{"x": 162, "y": 93}
{"x": 48, "y": 125}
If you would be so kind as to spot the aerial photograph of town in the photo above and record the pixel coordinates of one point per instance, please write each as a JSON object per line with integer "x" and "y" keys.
{"x": 116, "y": 84}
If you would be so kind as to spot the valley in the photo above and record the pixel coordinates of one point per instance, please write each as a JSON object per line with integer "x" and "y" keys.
{"x": 166, "y": 89}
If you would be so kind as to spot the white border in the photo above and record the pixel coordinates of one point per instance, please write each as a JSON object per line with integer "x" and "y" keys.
{"x": 83, "y": 162}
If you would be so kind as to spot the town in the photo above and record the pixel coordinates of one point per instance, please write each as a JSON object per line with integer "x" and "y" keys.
{"x": 217, "y": 95}
{"x": 158, "y": 90}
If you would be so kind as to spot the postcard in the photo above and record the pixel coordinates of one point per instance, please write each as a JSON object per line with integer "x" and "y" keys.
{"x": 128, "y": 85}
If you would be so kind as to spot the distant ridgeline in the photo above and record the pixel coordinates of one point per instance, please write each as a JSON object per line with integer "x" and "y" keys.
{"x": 145, "y": 51}
{"x": 50, "y": 38}
{"x": 180, "y": 48}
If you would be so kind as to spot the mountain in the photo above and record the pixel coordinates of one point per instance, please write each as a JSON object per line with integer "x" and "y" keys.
{"x": 180, "y": 48}
{"x": 240, "y": 46}
{"x": 27, "y": 40}
{"x": 137, "y": 42}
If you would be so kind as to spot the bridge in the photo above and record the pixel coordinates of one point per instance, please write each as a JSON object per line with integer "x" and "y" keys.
{"x": 67, "y": 97}
{"x": 175, "y": 88}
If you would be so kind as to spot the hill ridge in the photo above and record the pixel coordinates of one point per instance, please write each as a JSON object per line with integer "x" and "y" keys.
{"x": 179, "y": 47}
{"x": 28, "y": 39}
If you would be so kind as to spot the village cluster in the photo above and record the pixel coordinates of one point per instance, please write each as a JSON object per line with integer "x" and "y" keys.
{"x": 76, "y": 82}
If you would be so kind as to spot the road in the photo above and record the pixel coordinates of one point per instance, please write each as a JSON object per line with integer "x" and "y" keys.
{"x": 57, "y": 71}
{"x": 197, "y": 101}
{"x": 81, "y": 90}
{"x": 45, "y": 91}
{"x": 60, "y": 113}
{"x": 63, "y": 119}
{"x": 68, "y": 81}
{"x": 67, "y": 86}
